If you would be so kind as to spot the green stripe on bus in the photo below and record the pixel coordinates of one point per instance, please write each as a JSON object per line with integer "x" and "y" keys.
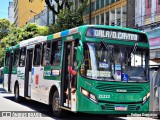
{"x": 50, "y": 37}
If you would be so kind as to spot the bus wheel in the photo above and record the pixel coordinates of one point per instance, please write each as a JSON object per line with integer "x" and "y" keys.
{"x": 57, "y": 111}
{"x": 17, "y": 97}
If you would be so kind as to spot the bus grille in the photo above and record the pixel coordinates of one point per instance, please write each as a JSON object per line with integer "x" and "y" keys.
{"x": 119, "y": 88}
{"x": 130, "y": 107}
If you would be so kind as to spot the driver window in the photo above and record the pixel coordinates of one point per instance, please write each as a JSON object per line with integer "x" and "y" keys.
{"x": 86, "y": 65}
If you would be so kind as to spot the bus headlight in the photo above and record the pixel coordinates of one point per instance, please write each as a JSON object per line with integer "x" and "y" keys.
{"x": 145, "y": 98}
{"x": 85, "y": 92}
{"x": 89, "y": 95}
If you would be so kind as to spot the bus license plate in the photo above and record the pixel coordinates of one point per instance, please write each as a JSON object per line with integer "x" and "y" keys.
{"x": 122, "y": 108}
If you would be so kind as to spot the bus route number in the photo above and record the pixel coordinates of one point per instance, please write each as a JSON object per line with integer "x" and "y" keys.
{"x": 103, "y": 96}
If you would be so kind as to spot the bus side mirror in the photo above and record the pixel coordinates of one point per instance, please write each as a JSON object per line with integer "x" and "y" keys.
{"x": 79, "y": 56}
{"x": 79, "y": 53}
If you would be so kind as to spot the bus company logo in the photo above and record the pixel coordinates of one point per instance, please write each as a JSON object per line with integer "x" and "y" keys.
{"x": 121, "y": 97}
{"x": 119, "y": 90}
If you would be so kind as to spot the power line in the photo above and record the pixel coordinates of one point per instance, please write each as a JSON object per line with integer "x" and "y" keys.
{"x": 38, "y": 16}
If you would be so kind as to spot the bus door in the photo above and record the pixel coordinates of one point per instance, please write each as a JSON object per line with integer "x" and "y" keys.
{"x": 37, "y": 73}
{"x": 28, "y": 68}
{"x": 10, "y": 72}
{"x": 68, "y": 91}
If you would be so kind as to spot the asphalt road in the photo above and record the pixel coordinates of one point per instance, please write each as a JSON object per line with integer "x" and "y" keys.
{"x": 32, "y": 110}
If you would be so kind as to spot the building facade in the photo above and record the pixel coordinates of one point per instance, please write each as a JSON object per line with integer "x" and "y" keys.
{"x": 109, "y": 12}
{"x": 147, "y": 12}
{"x": 44, "y": 18}
{"x": 11, "y": 12}
{"x": 147, "y": 19}
{"x": 25, "y": 10}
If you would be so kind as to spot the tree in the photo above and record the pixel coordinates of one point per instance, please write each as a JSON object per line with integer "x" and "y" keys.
{"x": 18, "y": 34}
{"x": 4, "y": 27}
{"x": 69, "y": 18}
{"x": 61, "y": 4}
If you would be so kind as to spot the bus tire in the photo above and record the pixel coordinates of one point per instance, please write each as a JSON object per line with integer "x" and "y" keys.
{"x": 16, "y": 94}
{"x": 57, "y": 110}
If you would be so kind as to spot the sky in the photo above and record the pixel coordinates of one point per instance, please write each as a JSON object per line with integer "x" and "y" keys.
{"x": 4, "y": 8}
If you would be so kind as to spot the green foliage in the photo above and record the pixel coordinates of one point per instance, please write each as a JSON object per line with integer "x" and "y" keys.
{"x": 1, "y": 56}
{"x": 4, "y": 27}
{"x": 18, "y": 34}
{"x": 68, "y": 19}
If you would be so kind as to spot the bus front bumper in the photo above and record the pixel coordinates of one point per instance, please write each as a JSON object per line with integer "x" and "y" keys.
{"x": 85, "y": 105}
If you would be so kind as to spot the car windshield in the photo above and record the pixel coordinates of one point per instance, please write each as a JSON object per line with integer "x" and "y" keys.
{"x": 115, "y": 63}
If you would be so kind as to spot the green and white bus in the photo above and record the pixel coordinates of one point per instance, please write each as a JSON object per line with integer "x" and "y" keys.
{"x": 93, "y": 69}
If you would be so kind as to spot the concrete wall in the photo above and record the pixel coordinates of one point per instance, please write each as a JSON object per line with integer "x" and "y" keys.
{"x": 130, "y": 13}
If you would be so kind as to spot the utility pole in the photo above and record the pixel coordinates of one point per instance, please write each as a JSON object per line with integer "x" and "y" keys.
{"x": 90, "y": 11}
{"x": 47, "y": 16}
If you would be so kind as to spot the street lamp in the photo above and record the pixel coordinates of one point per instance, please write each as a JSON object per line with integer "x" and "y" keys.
{"x": 36, "y": 14}
{"x": 33, "y": 12}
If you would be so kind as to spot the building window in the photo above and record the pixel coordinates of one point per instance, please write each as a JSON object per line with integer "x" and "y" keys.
{"x": 16, "y": 58}
{"x": 97, "y": 4}
{"x": 149, "y": 4}
{"x": 46, "y": 54}
{"x": 93, "y": 20}
{"x": 102, "y": 19}
{"x": 37, "y": 55}
{"x": 101, "y": 3}
{"x": 124, "y": 16}
{"x": 112, "y": 1}
{"x": 56, "y": 53}
{"x": 158, "y": 2}
{"x": 107, "y": 18}
{"x": 118, "y": 11}
{"x": 22, "y": 57}
{"x": 107, "y": 2}
{"x": 97, "y": 20}
{"x": 93, "y": 6}
{"x": 112, "y": 17}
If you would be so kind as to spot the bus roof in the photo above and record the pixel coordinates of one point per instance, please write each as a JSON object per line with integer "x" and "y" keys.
{"x": 27, "y": 42}
{"x": 33, "y": 40}
{"x": 64, "y": 33}
{"x": 84, "y": 28}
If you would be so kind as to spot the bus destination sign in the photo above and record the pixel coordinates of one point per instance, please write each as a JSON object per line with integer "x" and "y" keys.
{"x": 111, "y": 34}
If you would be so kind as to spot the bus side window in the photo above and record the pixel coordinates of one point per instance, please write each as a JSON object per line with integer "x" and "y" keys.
{"x": 7, "y": 58}
{"x": 46, "y": 53}
{"x": 56, "y": 53}
{"x": 22, "y": 57}
{"x": 37, "y": 55}
{"x": 16, "y": 58}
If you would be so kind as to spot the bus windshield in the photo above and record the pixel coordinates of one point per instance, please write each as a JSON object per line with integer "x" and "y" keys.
{"x": 115, "y": 63}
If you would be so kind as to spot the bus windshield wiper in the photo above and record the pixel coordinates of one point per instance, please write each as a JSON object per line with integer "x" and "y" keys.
{"x": 133, "y": 52}
{"x": 111, "y": 58}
